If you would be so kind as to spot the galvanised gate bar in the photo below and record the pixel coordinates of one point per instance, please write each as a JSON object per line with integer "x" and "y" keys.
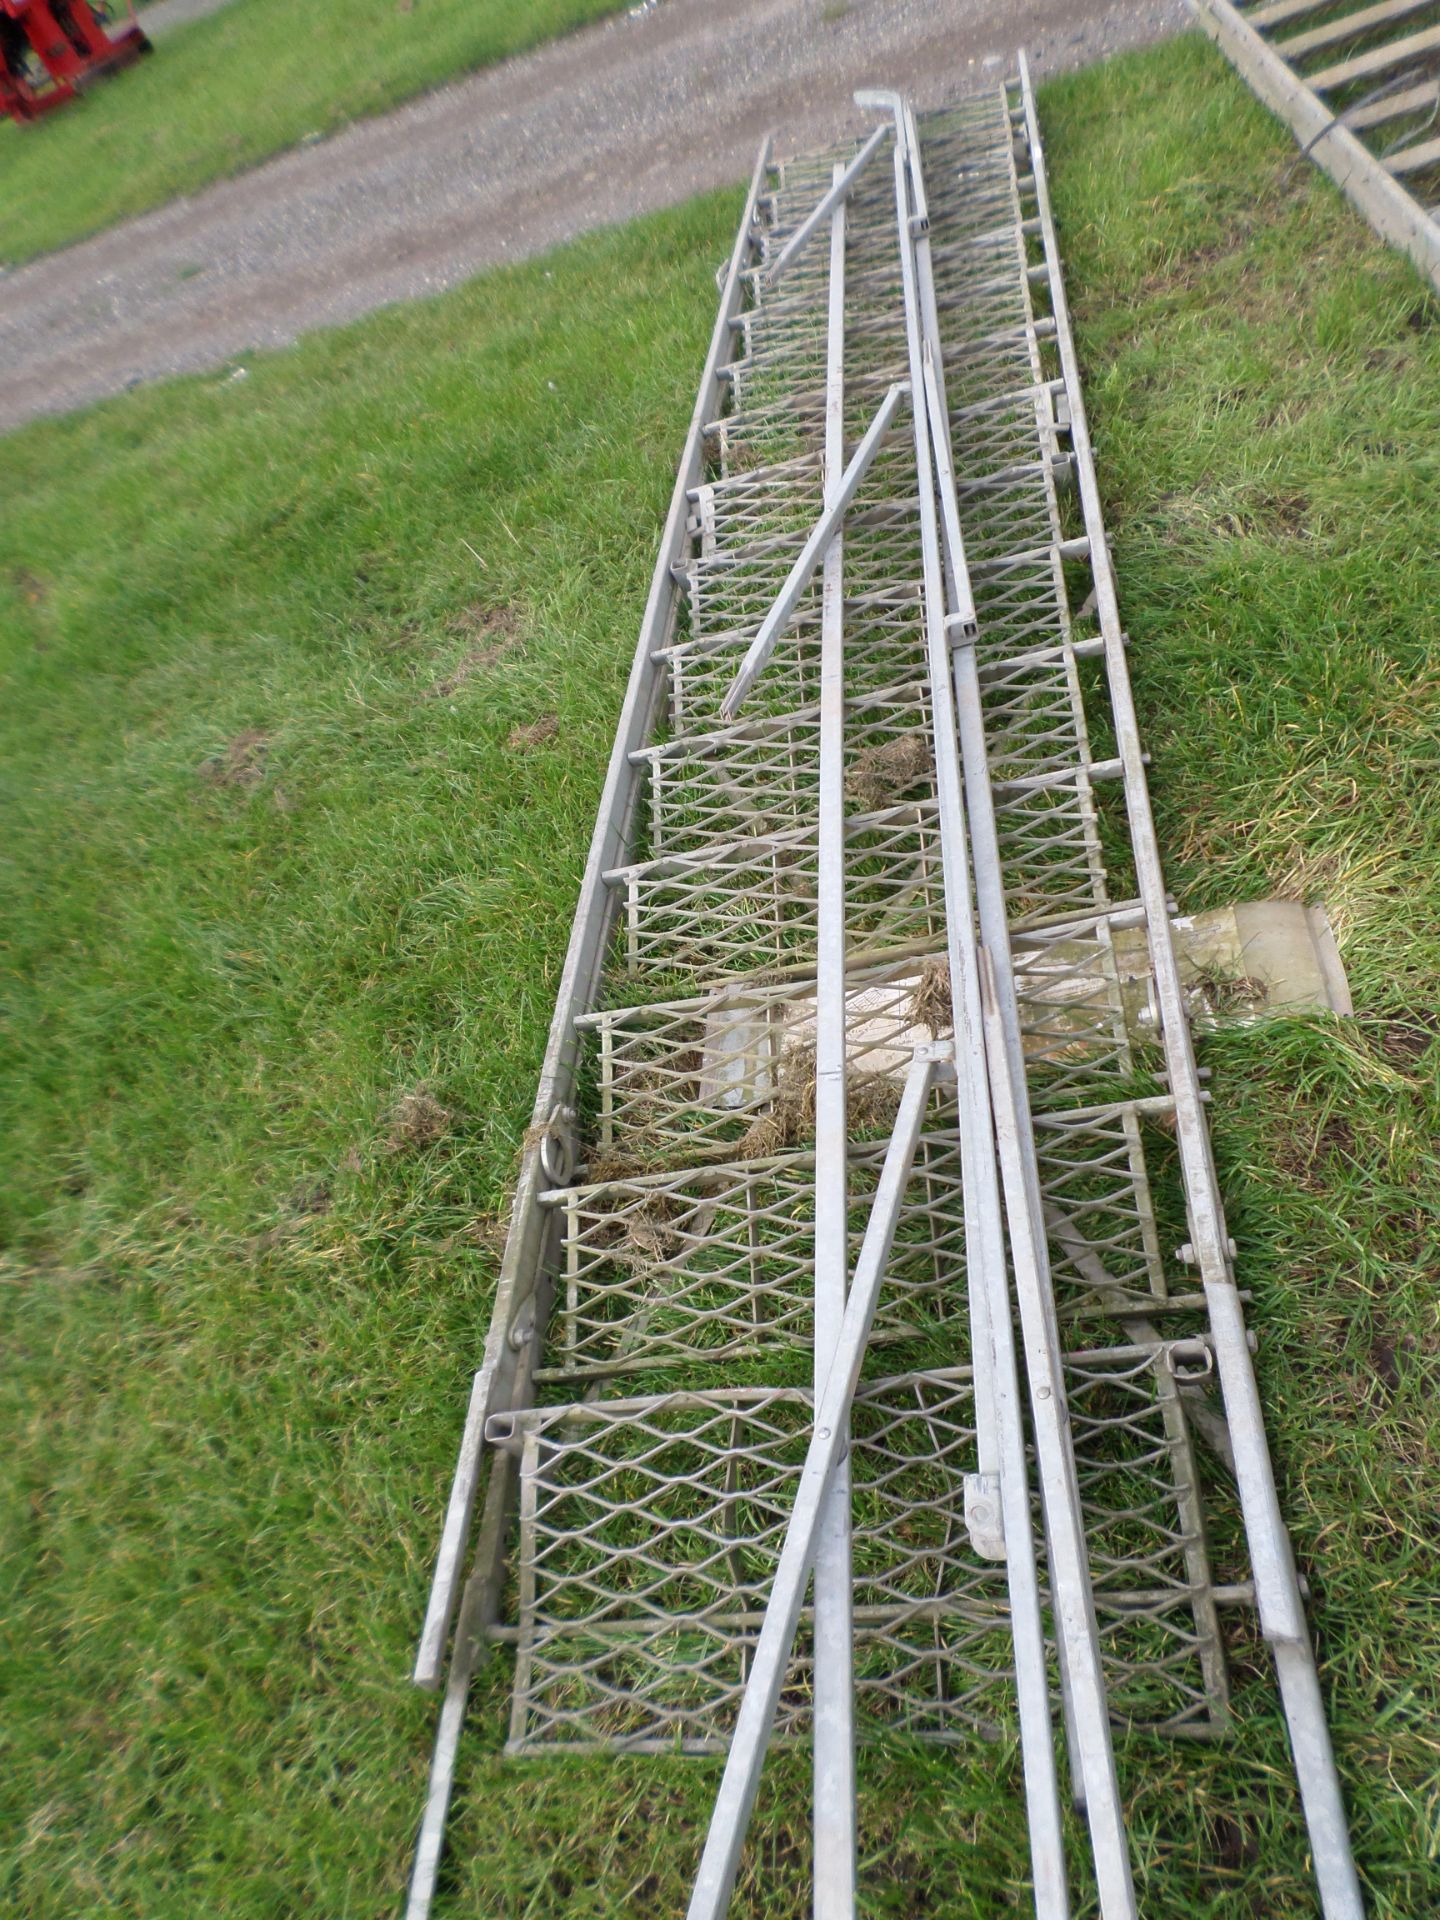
{"x": 868, "y": 1303}
{"x": 1358, "y": 84}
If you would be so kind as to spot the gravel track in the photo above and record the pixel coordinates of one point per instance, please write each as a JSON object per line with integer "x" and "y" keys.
{"x": 166, "y": 15}
{"x": 635, "y": 113}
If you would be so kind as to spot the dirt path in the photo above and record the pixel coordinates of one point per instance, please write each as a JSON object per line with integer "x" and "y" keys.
{"x": 166, "y": 15}
{"x": 632, "y": 114}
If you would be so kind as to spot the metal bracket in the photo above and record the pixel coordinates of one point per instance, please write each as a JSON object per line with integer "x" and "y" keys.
{"x": 984, "y": 1516}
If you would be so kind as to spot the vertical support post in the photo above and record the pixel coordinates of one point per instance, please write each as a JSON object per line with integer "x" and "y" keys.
{"x": 834, "y": 1716}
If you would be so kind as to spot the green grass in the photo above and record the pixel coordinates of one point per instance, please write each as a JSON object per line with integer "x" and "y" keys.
{"x": 226, "y": 92}
{"x": 242, "y": 1300}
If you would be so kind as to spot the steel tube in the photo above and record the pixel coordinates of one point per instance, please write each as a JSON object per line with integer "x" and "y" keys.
{"x": 813, "y": 552}
{"x": 829, "y": 1439}
{"x": 1282, "y": 1615}
{"x": 985, "y": 1253}
{"x": 834, "y": 1713}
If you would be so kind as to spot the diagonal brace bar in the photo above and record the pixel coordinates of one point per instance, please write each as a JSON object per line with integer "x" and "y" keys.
{"x": 825, "y": 206}
{"x": 828, "y": 1442}
{"x": 813, "y": 552}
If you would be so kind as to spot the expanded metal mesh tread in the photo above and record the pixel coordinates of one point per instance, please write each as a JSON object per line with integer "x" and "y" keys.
{"x": 650, "y": 1530}
{"x": 698, "y": 1075}
{"x": 704, "y": 1266}
{"x": 722, "y": 910}
{"x": 733, "y": 589}
{"x": 762, "y": 775}
{"x": 707, "y": 1267}
{"x": 884, "y": 647}
{"x": 781, "y": 418}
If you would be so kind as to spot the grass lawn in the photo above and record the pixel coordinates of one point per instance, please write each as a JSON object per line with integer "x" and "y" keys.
{"x": 287, "y": 872}
{"x": 226, "y": 92}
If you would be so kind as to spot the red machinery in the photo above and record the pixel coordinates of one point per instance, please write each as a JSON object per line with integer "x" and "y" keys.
{"x": 50, "y": 49}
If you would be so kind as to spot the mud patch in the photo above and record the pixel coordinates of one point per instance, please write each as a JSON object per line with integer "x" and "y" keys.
{"x": 1268, "y": 512}
{"x": 1234, "y": 1843}
{"x": 1405, "y": 1042}
{"x": 241, "y": 764}
{"x": 30, "y": 587}
{"x": 1312, "y": 1162}
{"x": 523, "y": 738}
{"x": 492, "y": 632}
{"x": 1385, "y": 1364}
{"x": 310, "y": 1197}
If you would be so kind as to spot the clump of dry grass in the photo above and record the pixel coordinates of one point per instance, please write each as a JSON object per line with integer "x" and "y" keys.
{"x": 871, "y": 1099}
{"x": 649, "y": 1237}
{"x": 240, "y": 763}
{"x": 611, "y": 1164}
{"x": 417, "y": 1121}
{"x": 932, "y": 1006}
{"x": 884, "y": 774}
{"x": 522, "y": 738}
